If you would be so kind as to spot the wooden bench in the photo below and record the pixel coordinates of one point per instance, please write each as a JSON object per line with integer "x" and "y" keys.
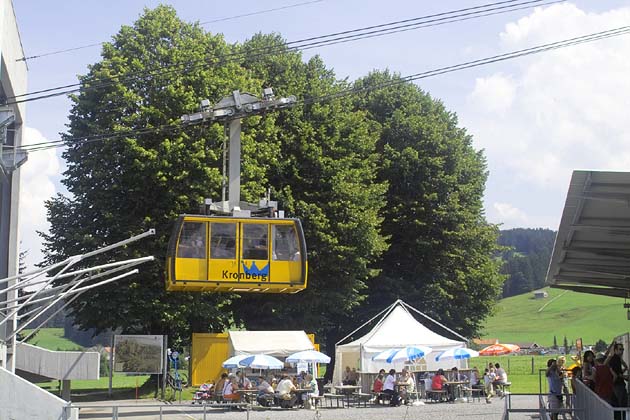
{"x": 381, "y": 397}
{"x": 436, "y": 395}
{"x": 362, "y": 398}
{"x": 316, "y": 400}
{"x": 338, "y": 398}
{"x": 503, "y": 389}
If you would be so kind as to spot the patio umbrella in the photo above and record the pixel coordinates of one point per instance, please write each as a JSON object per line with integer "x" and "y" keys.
{"x": 457, "y": 354}
{"x": 233, "y": 361}
{"x": 261, "y": 361}
{"x": 308, "y": 356}
{"x": 405, "y": 354}
{"x": 499, "y": 349}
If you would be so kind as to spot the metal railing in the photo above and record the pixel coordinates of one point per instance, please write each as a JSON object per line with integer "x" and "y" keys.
{"x": 166, "y": 409}
{"x": 589, "y": 406}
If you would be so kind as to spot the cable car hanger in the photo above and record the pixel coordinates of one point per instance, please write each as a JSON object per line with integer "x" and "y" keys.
{"x": 235, "y": 246}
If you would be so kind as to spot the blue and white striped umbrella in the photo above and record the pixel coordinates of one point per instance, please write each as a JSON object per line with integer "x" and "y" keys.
{"x": 406, "y": 354}
{"x": 233, "y": 362}
{"x": 457, "y": 354}
{"x": 261, "y": 361}
{"x": 308, "y": 356}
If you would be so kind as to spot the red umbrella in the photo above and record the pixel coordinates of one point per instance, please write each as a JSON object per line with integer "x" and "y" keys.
{"x": 499, "y": 349}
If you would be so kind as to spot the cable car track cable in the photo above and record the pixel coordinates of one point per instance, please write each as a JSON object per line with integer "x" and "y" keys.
{"x": 308, "y": 43}
{"x": 596, "y": 36}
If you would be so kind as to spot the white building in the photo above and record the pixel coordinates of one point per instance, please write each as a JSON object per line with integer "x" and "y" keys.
{"x": 12, "y": 116}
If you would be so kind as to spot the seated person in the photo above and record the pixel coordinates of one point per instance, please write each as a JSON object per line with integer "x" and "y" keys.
{"x": 475, "y": 380}
{"x": 440, "y": 383}
{"x": 265, "y": 392}
{"x": 311, "y": 384}
{"x": 377, "y": 387}
{"x": 243, "y": 381}
{"x": 218, "y": 387}
{"x": 408, "y": 385}
{"x": 347, "y": 376}
{"x": 501, "y": 378}
{"x": 389, "y": 388}
{"x": 230, "y": 393}
{"x": 286, "y": 392}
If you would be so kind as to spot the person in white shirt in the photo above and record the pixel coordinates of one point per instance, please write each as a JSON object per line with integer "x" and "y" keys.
{"x": 389, "y": 388}
{"x": 501, "y": 379}
{"x": 285, "y": 391}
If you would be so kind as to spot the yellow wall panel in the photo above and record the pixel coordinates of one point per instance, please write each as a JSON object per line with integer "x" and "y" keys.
{"x": 208, "y": 352}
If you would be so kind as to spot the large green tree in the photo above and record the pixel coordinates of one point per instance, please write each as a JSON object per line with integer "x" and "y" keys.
{"x": 318, "y": 159}
{"x": 440, "y": 257}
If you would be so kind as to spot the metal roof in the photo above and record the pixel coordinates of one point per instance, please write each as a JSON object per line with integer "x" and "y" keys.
{"x": 592, "y": 249}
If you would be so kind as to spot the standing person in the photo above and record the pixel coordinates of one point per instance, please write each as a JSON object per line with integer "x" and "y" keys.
{"x": 618, "y": 369}
{"x": 488, "y": 379}
{"x": 389, "y": 388}
{"x": 603, "y": 378}
{"x": 563, "y": 372}
{"x": 588, "y": 369}
{"x": 554, "y": 381}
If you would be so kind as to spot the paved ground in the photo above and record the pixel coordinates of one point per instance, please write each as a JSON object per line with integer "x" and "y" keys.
{"x": 142, "y": 410}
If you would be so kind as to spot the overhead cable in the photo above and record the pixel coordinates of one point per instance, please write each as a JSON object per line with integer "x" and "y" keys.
{"x": 302, "y": 44}
{"x": 624, "y": 30}
{"x": 259, "y": 12}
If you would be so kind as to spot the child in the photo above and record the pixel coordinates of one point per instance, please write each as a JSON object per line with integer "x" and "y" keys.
{"x": 488, "y": 378}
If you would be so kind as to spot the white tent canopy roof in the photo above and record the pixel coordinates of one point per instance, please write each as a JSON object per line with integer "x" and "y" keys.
{"x": 400, "y": 329}
{"x": 274, "y": 343}
{"x": 396, "y": 328}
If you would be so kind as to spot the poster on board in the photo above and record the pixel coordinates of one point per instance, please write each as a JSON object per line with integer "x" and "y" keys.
{"x": 139, "y": 354}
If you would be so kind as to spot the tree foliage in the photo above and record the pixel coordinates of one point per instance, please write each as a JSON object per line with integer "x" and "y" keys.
{"x": 526, "y": 258}
{"x": 387, "y": 185}
{"x": 440, "y": 253}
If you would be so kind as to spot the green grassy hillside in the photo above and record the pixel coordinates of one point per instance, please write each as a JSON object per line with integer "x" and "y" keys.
{"x": 525, "y": 319}
{"x": 52, "y": 339}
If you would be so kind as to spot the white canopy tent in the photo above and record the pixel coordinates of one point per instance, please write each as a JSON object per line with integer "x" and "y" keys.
{"x": 274, "y": 343}
{"x": 396, "y": 328}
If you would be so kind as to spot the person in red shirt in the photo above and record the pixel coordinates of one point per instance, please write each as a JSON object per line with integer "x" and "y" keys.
{"x": 440, "y": 382}
{"x": 377, "y": 388}
{"x": 603, "y": 379}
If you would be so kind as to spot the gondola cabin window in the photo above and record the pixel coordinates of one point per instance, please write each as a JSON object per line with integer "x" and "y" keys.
{"x": 255, "y": 244}
{"x": 192, "y": 242}
{"x": 285, "y": 243}
{"x": 223, "y": 241}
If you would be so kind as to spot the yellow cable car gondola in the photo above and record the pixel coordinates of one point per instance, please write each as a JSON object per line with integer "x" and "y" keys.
{"x": 236, "y": 254}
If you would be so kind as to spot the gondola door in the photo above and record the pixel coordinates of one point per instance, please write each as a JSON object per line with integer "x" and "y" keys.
{"x": 223, "y": 264}
{"x": 254, "y": 265}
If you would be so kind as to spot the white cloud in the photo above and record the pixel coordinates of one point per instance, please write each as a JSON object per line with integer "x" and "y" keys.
{"x": 37, "y": 185}
{"x": 494, "y": 94}
{"x": 553, "y": 112}
{"x": 510, "y": 215}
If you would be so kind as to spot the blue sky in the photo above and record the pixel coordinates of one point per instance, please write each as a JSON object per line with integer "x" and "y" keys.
{"x": 536, "y": 118}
